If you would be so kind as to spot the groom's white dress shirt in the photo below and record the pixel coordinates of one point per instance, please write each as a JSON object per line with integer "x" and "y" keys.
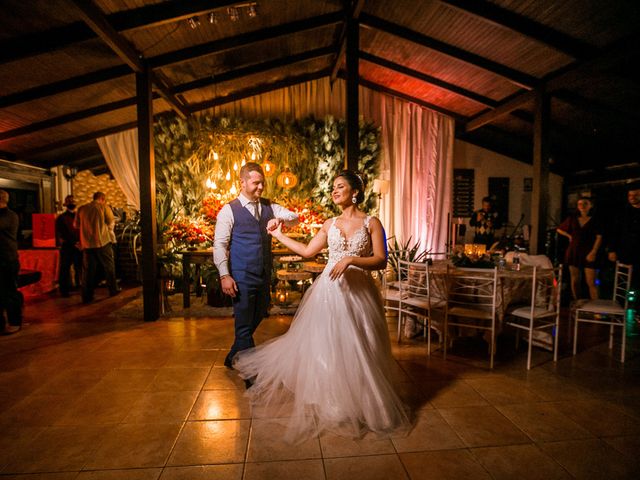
{"x": 224, "y": 225}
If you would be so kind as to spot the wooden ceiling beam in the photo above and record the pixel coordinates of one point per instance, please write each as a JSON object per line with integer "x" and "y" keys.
{"x": 503, "y": 109}
{"x": 119, "y": 71}
{"x": 260, "y": 89}
{"x": 463, "y": 92}
{"x": 514, "y": 76}
{"x": 562, "y": 78}
{"x": 253, "y": 69}
{"x": 62, "y": 86}
{"x": 522, "y": 25}
{"x": 143, "y": 17}
{"x": 395, "y": 93}
{"x": 354, "y": 12}
{"x": 200, "y": 83}
{"x": 229, "y": 43}
{"x": 597, "y": 108}
{"x": 95, "y": 19}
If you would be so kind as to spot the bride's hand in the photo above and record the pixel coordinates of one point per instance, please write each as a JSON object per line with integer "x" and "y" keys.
{"x": 340, "y": 268}
{"x": 275, "y": 230}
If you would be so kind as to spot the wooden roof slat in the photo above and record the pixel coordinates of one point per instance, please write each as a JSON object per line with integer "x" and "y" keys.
{"x": 141, "y": 17}
{"x": 96, "y": 20}
{"x": 504, "y": 108}
{"x": 253, "y": 69}
{"x": 429, "y": 79}
{"x": 244, "y": 39}
{"x": 259, "y": 89}
{"x": 519, "y": 78}
{"x": 520, "y": 24}
{"x": 66, "y": 85}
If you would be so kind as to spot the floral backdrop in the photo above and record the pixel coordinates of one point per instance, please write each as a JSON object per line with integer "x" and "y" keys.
{"x": 198, "y": 162}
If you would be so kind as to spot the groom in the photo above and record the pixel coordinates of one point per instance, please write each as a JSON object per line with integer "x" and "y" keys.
{"x": 242, "y": 253}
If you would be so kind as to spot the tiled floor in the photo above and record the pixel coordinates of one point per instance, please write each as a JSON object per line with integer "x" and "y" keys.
{"x": 86, "y": 395}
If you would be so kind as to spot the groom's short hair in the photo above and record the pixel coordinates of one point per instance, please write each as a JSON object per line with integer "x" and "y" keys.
{"x": 250, "y": 167}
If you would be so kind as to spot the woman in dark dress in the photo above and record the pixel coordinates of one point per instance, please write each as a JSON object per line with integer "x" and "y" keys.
{"x": 585, "y": 237}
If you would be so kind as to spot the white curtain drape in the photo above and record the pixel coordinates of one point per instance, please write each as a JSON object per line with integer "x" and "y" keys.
{"x": 417, "y": 146}
{"x": 120, "y": 151}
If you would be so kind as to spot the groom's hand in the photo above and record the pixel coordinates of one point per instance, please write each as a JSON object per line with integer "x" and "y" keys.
{"x": 228, "y": 285}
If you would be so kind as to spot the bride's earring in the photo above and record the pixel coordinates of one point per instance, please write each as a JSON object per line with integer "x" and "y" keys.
{"x": 354, "y": 200}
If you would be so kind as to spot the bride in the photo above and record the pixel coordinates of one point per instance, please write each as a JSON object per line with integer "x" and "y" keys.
{"x": 332, "y": 370}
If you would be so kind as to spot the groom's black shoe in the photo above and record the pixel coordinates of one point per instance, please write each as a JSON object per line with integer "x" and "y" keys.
{"x": 227, "y": 363}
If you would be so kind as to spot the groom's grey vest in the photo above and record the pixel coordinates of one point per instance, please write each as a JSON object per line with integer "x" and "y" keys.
{"x": 250, "y": 246}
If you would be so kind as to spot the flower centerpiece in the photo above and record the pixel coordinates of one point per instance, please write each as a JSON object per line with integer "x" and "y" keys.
{"x": 211, "y": 206}
{"x": 472, "y": 258}
{"x": 191, "y": 232}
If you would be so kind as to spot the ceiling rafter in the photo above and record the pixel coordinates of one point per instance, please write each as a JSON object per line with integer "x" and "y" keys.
{"x": 463, "y": 92}
{"x": 260, "y": 89}
{"x": 132, "y": 19}
{"x": 562, "y": 78}
{"x": 182, "y": 88}
{"x": 354, "y": 13}
{"x": 119, "y": 71}
{"x": 257, "y": 90}
{"x": 522, "y": 25}
{"x": 95, "y": 19}
{"x": 229, "y": 43}
{"x": 514, "y": 76}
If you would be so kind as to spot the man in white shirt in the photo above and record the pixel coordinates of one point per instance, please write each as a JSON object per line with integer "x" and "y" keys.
{"x": 242, "y": 254}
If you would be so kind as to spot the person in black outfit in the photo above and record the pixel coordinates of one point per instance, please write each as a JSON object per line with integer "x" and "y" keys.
{"x": 68, "y": 239}
{"x": 624, "y": 244}
{"x": 10, "y": 297}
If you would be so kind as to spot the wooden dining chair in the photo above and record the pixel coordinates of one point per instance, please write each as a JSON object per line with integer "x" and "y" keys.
{"x": 415, "y": 297}
{"x": 542, "y": 313}
{"x": 471, "y": 303}
{"x": 608, "y": 312}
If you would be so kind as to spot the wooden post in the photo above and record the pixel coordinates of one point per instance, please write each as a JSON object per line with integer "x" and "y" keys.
{"x": 352, "y": 149}
{"x": 146, "y": 165}
{"x": 540, "y": 194}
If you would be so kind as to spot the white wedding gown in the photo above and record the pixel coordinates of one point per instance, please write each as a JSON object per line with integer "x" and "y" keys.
{"x": 332, "y": 371}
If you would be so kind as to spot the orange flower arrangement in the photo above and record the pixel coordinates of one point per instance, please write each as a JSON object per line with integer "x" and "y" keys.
{"x": 311, "y": 216}
{"x": 190, "y": 231}
{"x": 211, "y": 206}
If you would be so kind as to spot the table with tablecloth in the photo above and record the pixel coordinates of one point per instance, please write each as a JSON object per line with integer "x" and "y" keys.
{"x": 43, "y": 260}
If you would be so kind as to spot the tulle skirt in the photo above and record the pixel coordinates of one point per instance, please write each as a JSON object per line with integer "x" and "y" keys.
{"x": 332, "y": 371}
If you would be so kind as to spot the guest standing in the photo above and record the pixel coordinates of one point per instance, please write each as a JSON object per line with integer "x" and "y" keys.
{"x": 94, "y": 220}
{"x": 624, "y": 245}
{"x": 585, "y": 238}
{"x": 485, "y": 221}
{"x": 10, "y": 297}
{"x": 242, "y": 254}
{"x": 68, "y": 239}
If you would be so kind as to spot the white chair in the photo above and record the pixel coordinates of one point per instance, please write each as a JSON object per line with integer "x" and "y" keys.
{"x": 415, "y": 297}
{"x": 543, "y": 313}
{"x": 608, "y": 312}
{"x": 471, "y": 300}
{"x": 390, "y": 290}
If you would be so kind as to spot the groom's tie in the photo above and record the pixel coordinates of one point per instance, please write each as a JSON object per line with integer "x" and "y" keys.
{"x": 256, "y": 211}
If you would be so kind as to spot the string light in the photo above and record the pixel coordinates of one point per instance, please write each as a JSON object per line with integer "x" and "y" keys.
{"x": 227, "y": 177}
{"x": 233, "y": 190}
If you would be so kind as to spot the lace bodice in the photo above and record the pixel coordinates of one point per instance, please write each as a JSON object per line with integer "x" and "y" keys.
{"x": 359, "y": 245}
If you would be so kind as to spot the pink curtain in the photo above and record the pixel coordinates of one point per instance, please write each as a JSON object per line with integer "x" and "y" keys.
{"x": 417, "y": 146}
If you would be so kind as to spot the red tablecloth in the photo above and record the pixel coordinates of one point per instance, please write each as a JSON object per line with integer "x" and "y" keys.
{"x": 45, "y": 261}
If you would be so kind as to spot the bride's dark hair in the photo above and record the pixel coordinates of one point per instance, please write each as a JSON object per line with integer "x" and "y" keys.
{"x": 355, "y": 181}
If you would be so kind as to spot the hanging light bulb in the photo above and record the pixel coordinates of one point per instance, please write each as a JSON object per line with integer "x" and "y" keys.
{"x": 213, "y": 185}
{"x": 233, "y": 190}
{"x": 244, "y": 162}
{"x": 235, "y": 166}
{"x": 208, "y": 183}
{"x": 215, "y": 155}
{"x": 268, "y": 166}
{"x": 253, "y": 156}
{"x": 227, "y": 177}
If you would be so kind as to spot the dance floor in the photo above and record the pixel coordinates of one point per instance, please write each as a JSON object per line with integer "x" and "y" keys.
{"x": 88, "y": 394}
